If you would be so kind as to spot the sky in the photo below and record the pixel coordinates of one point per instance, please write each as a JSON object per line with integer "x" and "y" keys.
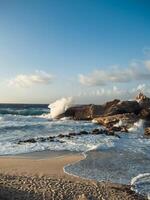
{"x": 92, "y": 50}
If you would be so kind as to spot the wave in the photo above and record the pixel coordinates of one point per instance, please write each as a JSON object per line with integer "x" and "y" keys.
{"x": 59, "y": 107}
{"x": 24, "y": 112}
{"x": 78, "y": 144}
{"x": 141, "y": 184}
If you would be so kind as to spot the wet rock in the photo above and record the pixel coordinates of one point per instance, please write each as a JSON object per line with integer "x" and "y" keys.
{"x": 118, "y": 129}
{"x": 61, "y": 136}
{"x": 84, "y": 132}
{"x": 98, "y": 131}
{"x": 145, "y": 113}
{"x": 32, "y": 140}
{"x": 147, "y": 131}
{"x": 73, "y": 134}
{"x": 127, "y": 120}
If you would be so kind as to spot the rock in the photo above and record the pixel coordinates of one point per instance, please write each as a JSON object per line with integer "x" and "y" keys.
{"x": 127, "y": 120}
{"x": 84, "y": 132}
{"x": 147, "y": 131}
{"x": 83, "y": 112}
{"x": 143, "y": 101}
{"x": 123, "y": 107}
{"x": 61, "y": 136}
{"x": 118, "y": 129}
{"x": 145, "y": 113}
{"x": 72, "y": 134}
{"x": 32, "y": 140}
{"x": 89, "y": 112}
{"x": 99, "y": 131}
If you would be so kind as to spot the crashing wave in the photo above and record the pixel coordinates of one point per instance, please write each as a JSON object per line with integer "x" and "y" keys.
{"x": 59, "y": 107}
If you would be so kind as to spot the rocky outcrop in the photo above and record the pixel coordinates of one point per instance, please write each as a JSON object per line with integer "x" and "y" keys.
{"x": 112, "y": 112}
{"x": 89, "y": 112}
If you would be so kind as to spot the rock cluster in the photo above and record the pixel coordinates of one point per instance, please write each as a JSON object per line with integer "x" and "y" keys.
{"x": 110, "y": 113}
{"x": 59, "y": 137}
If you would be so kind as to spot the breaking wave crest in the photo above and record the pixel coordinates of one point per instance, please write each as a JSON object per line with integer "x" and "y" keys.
{"x": 60, "y": 106}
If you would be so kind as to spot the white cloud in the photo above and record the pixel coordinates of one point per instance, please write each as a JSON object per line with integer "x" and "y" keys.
{"x": 104, "y": 94}
{"x": 147, "y": 64}
{"x": 117, "y": 75}
{"x": 23, "y": 80}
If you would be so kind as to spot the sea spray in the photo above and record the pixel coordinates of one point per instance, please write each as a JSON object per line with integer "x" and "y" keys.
{"x": 60, "y": 106}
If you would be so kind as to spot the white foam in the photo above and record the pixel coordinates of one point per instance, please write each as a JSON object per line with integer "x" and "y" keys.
{"x": 60, "y": 106}
{"x": 78, "y": 144}
{"x": 141, "y": 184}
{"x": 138, "y": 127}
{"x": 94, "y": 121}
{"x": 119, "y": 124}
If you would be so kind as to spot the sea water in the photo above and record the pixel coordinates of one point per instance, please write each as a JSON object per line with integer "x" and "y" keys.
{"x": 120, "y": 160}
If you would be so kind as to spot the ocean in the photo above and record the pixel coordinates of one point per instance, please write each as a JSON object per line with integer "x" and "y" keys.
{"x": 123, "y": 160}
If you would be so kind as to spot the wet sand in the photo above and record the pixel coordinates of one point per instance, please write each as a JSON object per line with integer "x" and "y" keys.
{"x": 40, "y": 176}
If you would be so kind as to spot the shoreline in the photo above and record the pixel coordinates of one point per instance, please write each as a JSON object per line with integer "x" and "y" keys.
{"x": 41, "y": 175}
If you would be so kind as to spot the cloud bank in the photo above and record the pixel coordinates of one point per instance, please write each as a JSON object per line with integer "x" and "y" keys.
{"x": 23, "y": 80}
{"x": 117, "y": 75}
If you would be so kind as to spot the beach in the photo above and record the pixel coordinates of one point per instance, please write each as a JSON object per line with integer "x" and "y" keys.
{"x": 40, "y": 175}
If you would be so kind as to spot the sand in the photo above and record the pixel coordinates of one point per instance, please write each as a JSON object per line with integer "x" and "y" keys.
{"x": 39, "y": 177}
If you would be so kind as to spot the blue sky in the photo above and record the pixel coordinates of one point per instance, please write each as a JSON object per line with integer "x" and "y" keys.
{"x": 74, "y": 45}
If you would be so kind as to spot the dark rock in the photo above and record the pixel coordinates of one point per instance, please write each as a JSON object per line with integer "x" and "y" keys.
{"x": 32, "y": 140}
{"x": 84, "y": 132}
{"x": 145, "y": 113}
{"x": 98, "y": 131}
{"x": 61, "y": 136}
{"x": 72, "y": 134}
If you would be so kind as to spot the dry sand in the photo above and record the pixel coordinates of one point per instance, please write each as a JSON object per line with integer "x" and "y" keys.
{"x": 32, "y": 178}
